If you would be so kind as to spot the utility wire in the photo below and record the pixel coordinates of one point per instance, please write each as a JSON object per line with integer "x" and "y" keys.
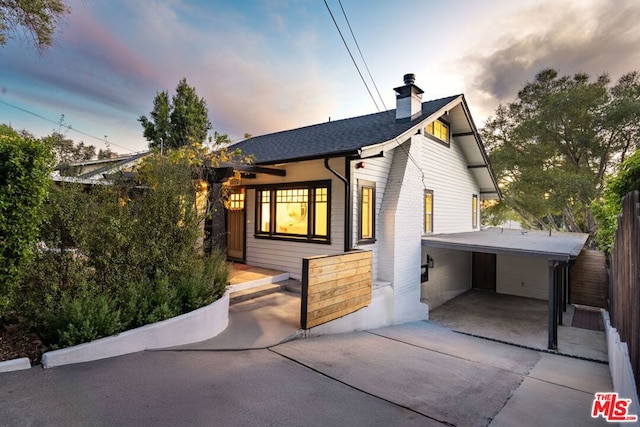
{"x": 362, "y": 56}
{"x": 413, "y": 160}
{"x": 64, "y": 125}
{"x": 352, "y": 58}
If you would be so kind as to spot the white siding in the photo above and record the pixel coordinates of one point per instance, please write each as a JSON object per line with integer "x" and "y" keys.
{"x": 522, "y": 276}
{"x": 375, "y": 170}
{"x": 446, "y": 173}
{"x": 450, "y": 276}
{"x": 286, "y": 255}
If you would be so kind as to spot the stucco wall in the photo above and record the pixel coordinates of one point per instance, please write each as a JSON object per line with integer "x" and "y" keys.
{"x": 522, "y": 276}
{"x": 450, "y": 276}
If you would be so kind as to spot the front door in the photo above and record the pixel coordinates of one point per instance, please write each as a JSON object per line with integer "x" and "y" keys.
{"x": 483, "y": 269}
{"x": 235, "y": 225}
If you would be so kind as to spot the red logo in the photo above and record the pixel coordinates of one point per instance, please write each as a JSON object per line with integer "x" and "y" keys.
{"x": 612, "y": 408}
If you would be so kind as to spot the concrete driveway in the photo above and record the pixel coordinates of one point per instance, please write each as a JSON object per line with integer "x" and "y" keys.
{"x": 414, "y": 374}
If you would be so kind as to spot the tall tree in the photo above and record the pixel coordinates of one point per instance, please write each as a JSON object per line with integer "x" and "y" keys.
{"x": 182, "y": 121}
{"x": 553, "y": 145}
{"x": 37, "y": 19}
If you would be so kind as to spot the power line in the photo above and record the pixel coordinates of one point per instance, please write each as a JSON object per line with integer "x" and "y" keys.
{"x": 352, "y": 58}
{"x": 69, "y": 127}
{"x": 413, "y": 160}
{"x": 362, "y": 56}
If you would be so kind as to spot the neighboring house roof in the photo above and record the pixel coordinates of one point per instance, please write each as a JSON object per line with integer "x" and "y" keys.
{"x": 544, "y": 244}
{"x": 92, "y": 171}
{"x": 372, "y": 134}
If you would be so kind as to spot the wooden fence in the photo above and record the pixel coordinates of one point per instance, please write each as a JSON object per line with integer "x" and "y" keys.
{"x": 625, "y": 279}
{"x": 334, "y": 286}
{"x": 589, "y": 279}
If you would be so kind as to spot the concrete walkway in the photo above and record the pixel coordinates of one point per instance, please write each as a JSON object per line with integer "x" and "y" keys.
{"x": 414, "y": 374}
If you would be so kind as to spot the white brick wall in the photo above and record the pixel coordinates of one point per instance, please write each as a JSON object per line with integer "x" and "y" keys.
{"x": 450, "y": 276}
{"x": 402, "y": 215}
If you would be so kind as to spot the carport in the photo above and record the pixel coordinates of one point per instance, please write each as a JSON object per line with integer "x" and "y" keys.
{"x": 559, "y": 250}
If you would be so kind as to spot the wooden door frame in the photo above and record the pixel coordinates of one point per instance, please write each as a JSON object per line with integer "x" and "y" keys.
{"x": 244, "y": 229}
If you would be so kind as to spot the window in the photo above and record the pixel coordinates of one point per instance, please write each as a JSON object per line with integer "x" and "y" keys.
{"x": 438, "y": 129}
{"x": 294, "y": 211}
{"x": 474, "y": 211}
{"x": 428, "y": 211}
{"x": 366, "y": 212}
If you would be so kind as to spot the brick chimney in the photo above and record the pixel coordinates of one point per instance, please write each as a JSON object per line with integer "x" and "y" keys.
{"x": 408, "y": 100}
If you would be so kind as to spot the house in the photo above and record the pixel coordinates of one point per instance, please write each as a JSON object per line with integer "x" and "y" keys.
{"x": 402, "y": 184}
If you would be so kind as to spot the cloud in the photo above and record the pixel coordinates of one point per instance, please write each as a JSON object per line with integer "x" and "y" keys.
{"x": 595, "y": 37}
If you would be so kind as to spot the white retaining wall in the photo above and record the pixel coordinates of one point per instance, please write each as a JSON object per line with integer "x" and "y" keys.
{"x": 620, "y": 366}
{"x": 196, "y": 326}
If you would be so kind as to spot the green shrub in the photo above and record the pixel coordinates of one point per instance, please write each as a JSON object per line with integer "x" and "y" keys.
{"x": 120, "y": 256}
{"x": 25, "y": 164}
{"x": 85, "y": 315}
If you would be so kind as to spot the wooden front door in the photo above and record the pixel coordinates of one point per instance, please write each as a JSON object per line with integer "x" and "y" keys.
{"x": 483, "y": 267}
{"x": 235, "y": 225}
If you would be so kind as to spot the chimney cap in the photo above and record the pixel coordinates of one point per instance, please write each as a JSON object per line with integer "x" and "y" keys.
{"x": 409, "y": 79}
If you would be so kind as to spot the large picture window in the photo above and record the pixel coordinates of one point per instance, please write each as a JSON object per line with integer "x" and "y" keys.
{"x": 294, "y": 211}
{"x": 366, "y": 212}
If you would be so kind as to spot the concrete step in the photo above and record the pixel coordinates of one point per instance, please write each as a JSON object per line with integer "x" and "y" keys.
{"x": 254, "y": 292}
{"x": 291, "y": 285}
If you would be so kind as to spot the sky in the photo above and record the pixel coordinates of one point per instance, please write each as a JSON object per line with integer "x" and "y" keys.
{"x": 270, "y": 65}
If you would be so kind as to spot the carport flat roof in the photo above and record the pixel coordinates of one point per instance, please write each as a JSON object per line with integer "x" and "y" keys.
{"x": 542, "y": 244}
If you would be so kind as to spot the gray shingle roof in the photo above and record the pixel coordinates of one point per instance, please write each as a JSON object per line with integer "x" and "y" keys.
{"x": 333, "y": 138}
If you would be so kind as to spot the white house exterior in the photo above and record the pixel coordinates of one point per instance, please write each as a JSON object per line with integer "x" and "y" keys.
{"x": 417, "y": 171}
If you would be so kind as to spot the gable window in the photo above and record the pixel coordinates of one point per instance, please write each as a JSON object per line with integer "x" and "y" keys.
{"x": 439, "y": 129}
{"x": 428, "y": 211}
{"x": 366, "y": 212}
{"x": 474, "y": 211}
{"x": 294, "y": 211}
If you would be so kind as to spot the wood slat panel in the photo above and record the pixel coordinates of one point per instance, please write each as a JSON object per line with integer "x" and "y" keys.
{"x": 334, "y": 286}
{"x": 589, "y": 279}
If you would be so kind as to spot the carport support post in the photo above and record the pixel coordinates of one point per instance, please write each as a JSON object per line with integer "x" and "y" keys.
{"x": 552, "y": 328}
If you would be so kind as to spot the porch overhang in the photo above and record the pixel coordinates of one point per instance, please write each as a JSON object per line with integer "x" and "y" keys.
{"x": 559, "y": 249}
{"x": 226, "y": 170}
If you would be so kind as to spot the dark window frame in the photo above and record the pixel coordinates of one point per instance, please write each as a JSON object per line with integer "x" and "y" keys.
{"x": 447, "y": 142}
{"x": 272, "y": 234}
{"x": 362, "y": 184}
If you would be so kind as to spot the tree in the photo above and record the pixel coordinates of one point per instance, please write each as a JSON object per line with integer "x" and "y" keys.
{"x": 553, "y": 145}
{"x": 25, "y": 164}
{"x": 37, "y": 19}
{"x": 607, "y": 208}
{"x": 66, "y": 151}
{"x": 182, "y": 121}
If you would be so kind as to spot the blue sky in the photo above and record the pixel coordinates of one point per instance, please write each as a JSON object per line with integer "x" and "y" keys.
{"x": 270, "y": 65}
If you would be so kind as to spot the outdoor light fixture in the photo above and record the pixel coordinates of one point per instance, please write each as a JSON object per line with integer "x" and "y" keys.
{"x": 429, "y": 262}
{"x": 360, "y": 165}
